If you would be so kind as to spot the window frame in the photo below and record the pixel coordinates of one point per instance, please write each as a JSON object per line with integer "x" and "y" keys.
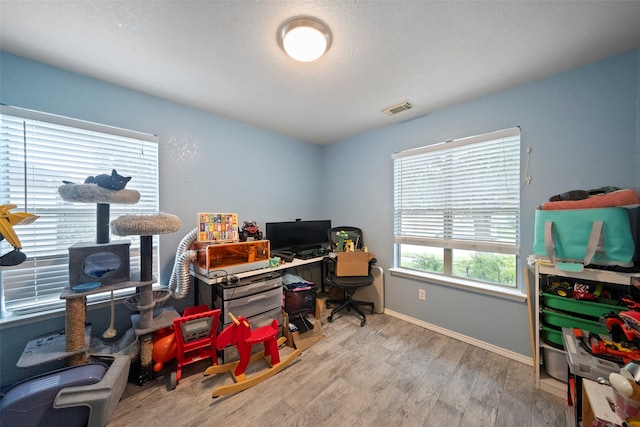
{"x": 420, "y": 236}
{"x": 136, "y": 153}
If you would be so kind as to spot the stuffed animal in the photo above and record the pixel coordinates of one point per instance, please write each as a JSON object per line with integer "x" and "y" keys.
{"x": 110, "y": 182}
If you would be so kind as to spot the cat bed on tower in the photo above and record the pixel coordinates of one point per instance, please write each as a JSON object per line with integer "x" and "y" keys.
{"x": 145, "y": 225}
{"x": 92, "y": 193}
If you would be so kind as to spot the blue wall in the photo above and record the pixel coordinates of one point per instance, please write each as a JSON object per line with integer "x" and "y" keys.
{"x": 207, "y": 164}
{"x": 583, "y": 127}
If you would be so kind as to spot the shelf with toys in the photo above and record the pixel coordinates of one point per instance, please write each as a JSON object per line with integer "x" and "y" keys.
{"x": 571, "y": 300}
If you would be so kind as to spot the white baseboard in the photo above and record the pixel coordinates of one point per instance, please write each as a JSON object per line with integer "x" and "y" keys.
{"x": 469, "y": 340}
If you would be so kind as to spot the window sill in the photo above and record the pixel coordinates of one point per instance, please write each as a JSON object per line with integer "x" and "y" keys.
{"x": 26, "y": 319}
{"x": 12, "y": 321}
{"x": 468, "y": 285}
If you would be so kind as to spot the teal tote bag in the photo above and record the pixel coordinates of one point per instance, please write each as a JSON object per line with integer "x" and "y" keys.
{"x": 574, "y": 238}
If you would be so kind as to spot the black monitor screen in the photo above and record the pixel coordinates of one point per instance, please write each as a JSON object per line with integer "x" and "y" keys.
{"x": 298, "y": 235}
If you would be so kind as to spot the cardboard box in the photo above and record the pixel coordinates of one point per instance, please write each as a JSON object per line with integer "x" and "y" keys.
{"x": 303, "y": 340}
{"x": 353, "y": 263}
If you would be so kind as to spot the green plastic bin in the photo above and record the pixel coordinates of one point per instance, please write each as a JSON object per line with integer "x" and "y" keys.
{"x": 561, "y": 320}
{"x": 552, "y": 337}
{"x": 589, "y": 308}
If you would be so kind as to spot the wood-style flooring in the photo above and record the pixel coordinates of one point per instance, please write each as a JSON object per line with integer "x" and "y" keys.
{"x": 387, "y": 373}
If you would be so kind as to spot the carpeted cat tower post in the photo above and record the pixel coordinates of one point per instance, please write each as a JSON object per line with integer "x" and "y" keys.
{"x": 79, "y": 253}
{"x": 148, "y": 302}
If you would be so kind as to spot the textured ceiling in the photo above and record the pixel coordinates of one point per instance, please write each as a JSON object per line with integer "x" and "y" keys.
{"x": 222, "y": 56}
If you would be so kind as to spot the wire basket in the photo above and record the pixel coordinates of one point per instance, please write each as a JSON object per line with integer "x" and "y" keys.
{"x": 160, "y": 296}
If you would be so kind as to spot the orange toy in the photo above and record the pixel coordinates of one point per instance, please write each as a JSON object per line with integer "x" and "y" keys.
{"x": 164, "y": 348}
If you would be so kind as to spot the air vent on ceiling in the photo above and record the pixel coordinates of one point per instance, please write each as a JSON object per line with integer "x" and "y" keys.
{"x": 397, "y": 108}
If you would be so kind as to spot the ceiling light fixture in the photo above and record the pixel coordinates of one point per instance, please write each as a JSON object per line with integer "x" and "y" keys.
{"x": 305, "y": 39}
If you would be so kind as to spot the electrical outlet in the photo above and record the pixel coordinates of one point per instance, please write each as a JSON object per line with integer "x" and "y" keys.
{"x": 422, "y": 294}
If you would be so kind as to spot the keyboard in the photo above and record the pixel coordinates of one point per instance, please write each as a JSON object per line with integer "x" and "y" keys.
{"x": 311, "y": 253}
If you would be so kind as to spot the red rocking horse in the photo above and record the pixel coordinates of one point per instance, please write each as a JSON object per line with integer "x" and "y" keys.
{"x": 239, "y": 333}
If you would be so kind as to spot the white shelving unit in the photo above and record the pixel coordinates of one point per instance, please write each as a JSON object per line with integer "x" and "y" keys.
{"x": 614, "y": 279}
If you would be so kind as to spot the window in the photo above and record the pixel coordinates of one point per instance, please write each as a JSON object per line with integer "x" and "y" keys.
{"x": 457, "y": 208}
{"x": 37, "y": 153}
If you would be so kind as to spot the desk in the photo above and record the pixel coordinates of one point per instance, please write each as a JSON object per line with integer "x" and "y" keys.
{"x": 204, "y": 279}
{"x": 373, "y": 293}
{"x": 293, "y": 264}
{"x": 256, "y": 295}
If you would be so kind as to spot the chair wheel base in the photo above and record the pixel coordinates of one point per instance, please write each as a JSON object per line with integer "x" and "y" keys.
{"x": 330, "y": 319}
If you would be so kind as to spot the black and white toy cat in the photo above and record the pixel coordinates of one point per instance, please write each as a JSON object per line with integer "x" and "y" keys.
{"x": 110, "y": 182}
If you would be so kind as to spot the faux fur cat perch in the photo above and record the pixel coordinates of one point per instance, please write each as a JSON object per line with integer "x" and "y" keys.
{"x": 145, "y": 225}
{"x": 103, "y": 190}
{"x": 91, "y": 193}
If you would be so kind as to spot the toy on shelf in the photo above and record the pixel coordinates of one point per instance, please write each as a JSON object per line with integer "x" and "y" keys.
{"x": 250, "y": 230}
{"x": 239, "y": 333}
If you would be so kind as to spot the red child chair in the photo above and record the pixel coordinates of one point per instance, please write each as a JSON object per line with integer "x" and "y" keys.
{"x": 195, "y": 337}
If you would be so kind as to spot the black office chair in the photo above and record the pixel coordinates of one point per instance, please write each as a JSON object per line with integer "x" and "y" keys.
{"x": 349, "y": 284}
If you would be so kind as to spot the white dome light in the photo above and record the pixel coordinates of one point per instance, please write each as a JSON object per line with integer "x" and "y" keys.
{"x": 304, "y": 39}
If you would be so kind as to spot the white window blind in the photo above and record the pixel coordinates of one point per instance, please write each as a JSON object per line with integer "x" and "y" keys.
{"x": 463, "y": 194}
{"x": 37, "y": 153}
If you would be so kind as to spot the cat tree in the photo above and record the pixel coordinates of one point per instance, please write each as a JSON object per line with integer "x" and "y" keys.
{"x": 75, "y": 345}
{"x": 75, "y": 317}
{"x": 147, "y": 302}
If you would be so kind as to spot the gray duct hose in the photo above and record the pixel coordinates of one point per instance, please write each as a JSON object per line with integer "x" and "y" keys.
{"x": 179, "y": 281}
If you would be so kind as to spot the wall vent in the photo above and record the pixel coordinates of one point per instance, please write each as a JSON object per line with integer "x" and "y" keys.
{"x": 397, "y": 108}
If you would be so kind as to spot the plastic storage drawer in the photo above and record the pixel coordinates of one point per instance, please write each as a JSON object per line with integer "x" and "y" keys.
{"x": 252, "y": 305}
{"x": 561, "y": 320}
{"x": 589, "y": 308}
{"x": 555, "y": 363}
{"x": 552, "y": 337}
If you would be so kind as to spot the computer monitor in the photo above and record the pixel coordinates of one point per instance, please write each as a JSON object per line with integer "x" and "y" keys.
{"x": 296, "y": 236}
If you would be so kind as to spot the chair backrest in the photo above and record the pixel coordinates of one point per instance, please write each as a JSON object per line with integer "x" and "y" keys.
{"x": 355, "y": 234}
{"x": 192, "y": 327}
